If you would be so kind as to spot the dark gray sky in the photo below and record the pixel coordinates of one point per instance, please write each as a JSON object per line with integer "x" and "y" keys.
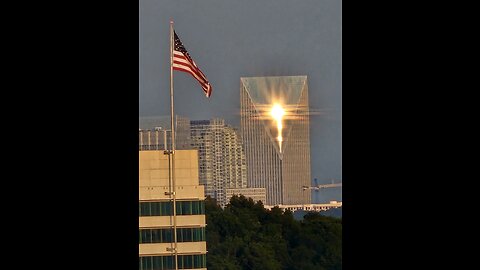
{"x": 231, "y": 39}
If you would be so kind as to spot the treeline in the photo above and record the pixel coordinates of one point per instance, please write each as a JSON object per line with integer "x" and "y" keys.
{"x": 245, "y": 235}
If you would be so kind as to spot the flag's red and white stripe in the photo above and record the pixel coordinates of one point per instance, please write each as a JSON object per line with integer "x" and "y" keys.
{"x": 183, "y": 63}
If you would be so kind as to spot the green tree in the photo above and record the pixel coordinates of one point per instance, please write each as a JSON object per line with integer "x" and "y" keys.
{"x": 244, "y": 235}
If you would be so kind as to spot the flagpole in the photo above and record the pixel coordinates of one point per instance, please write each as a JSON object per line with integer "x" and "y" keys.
{"x": 172, "y": 126}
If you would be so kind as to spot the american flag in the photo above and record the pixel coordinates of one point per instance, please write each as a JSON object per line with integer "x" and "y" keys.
{"x": 183, "y": 62}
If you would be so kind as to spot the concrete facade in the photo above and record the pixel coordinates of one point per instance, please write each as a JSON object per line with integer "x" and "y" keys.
{"x": 155, "y": 220}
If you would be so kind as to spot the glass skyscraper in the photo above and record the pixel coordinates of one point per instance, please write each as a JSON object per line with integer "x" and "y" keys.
{"x": 277, "y": 155}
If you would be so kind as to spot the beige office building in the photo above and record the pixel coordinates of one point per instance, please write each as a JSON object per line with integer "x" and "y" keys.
{"x": 278, "y": 159}
{"x": 156, "y": 237}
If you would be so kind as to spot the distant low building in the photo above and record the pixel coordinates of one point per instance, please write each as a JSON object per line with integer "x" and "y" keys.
{"x": 317, "y": 207}
{"x": 257, "y": 194}
{"x": 155, "y": 130}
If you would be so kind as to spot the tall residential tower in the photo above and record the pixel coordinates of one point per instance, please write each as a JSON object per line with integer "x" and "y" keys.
{"x": 221, "y": 157}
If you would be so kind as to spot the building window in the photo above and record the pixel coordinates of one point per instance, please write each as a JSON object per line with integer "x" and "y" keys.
{"x": 167, "y": 262}
{"x": 166, "y": 208}
{"x": 149, "y": 236}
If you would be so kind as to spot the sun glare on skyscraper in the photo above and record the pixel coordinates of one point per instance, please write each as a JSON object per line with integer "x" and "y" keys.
{"x": 277, "y": 113}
